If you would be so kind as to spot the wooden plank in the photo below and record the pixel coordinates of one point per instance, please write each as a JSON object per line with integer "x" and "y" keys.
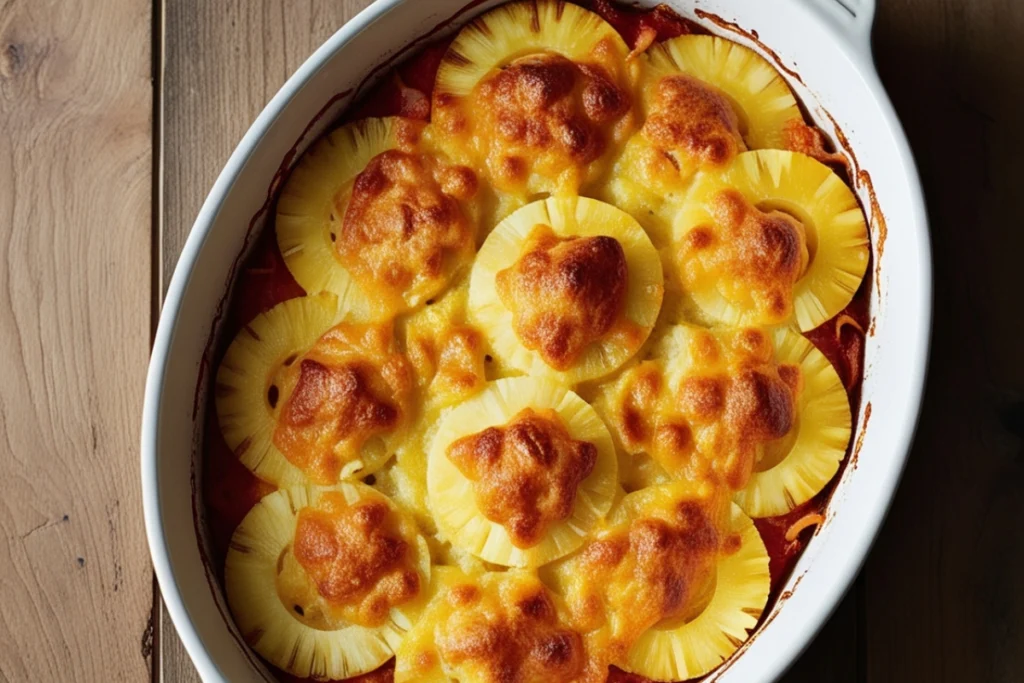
{"x": 75, "y": 261}
{"x": 223, "y": 62}
{"x": 945, "y": 596}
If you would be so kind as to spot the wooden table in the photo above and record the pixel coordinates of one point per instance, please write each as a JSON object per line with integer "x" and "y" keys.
{"x": 115, "y": 118}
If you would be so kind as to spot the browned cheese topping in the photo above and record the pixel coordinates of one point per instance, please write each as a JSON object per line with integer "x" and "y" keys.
{"x": 350, "y": 387}
{"x": 514, "y": 637}
{"x": 542, "y": 114}
{"x": 715, "y": 423}
{"x": 525, "y": 474}
{"x": 653, "y": 569}
{"x": 692, "y": 124}
{"x": 564, "y": 293}
{"x": 451, "y": 363}
{"x": 753, "y": 256}
{"x": 356, "y": 557}
{"x": 404, "y": 228}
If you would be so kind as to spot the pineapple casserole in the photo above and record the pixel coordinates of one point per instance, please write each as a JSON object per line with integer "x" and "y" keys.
{"x": 535, "y": 375}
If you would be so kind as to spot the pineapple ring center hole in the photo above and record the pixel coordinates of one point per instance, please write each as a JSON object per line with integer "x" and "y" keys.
{"x": 742, "y": 120}
{"x": 274, "y": 390}
{"x": 698, "y": 602}
{"x": 297, "y": 594}
{"x": 777, "y": 450}
{"x": 798, "y": 213}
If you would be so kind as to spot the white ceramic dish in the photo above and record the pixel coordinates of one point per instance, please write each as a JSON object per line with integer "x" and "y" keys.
{"x": 825, "y": 41}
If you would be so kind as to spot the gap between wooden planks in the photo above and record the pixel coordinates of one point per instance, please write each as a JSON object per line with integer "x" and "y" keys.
{"x": 222, "y": 63}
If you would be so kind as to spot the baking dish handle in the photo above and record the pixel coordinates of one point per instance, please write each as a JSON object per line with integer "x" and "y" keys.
{"x": 851, "y": 18}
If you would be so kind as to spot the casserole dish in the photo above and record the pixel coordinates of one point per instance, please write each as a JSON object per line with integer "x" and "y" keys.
{"x": 821, "y": 45}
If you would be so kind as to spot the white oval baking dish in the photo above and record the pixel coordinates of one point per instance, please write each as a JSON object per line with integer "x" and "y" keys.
{"x": 826, "y": 42}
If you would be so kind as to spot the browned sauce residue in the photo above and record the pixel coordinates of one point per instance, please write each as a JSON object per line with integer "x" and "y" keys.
{"x": 861, "y": 435}
{"x": 525, "y": 641}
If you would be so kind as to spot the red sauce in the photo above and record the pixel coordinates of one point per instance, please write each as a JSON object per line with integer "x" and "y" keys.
{"x": 230, "y": 490}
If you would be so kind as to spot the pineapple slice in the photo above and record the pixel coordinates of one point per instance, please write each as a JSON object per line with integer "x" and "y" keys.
{"x": 250, "y": 381}
{"x": 538, "y": 93}
{"x": 279, "y": 609}
{"x": 792, "y": 470}
{"x": 453, "y": 497}
{"x": 567, "y": 217}
{"x": 759, "y": 95}
{"x": 677, "y": 650}
{"x": 339, "y": 217}
{"x": 828, "y": 238}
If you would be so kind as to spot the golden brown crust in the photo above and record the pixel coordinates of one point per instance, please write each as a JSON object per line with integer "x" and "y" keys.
{"x": 525, "y": 474}
{"x": 694, "y": 119}
{"x": 404, "y": 224}
{"x": 541, "y": 113}
{"x": 350, "y": 387}
{"x": 564, "y": 293}
{"x": 519, "y": 640}
{"x": 353, "y": 554}
{"x": 653, "y": 568}
{"x": 713, "y": 423}
{"x": 759, "y": 254}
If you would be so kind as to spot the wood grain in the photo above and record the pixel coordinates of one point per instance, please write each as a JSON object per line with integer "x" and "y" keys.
{"x": 223, "y": 62}
{"x": 75, "y": 237}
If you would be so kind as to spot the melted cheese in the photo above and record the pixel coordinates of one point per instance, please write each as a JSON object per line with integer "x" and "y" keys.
{"x": 711, "y": 417}
{"x": 565, "y": 293}
{"x": 500, "y": 628}
{"x": 525, "y": 473}
{"x": 356, "y": 558}
{"x": 691, "y": 126}
{"x": 752, "y": 257}
{"x": 655, "y": 565}
{"x": 351, "y": 387}
{"x": 547, "y": 115}
{"x": 405, "y": 230}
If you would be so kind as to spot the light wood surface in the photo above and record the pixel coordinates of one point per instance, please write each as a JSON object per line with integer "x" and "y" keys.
{"x": 941, "y": 597}
{"x": 75, "y": 237}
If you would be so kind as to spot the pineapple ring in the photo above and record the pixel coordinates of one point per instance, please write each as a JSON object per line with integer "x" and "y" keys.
{"x": 677, "y": 653}
{"x": 306, "y": 216}
{"x": 312, "y": 208}
{"x": 762, "y": 100}
{"x": 797, "y": 467}
{"x": 451, "y": 494}
{"x": 837, "y": 236}
{"x": 760, "y": 96}
{"x": 259, "y": 548}
{"x": 567, "y": 216}
{"x": 250, "y": 370}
